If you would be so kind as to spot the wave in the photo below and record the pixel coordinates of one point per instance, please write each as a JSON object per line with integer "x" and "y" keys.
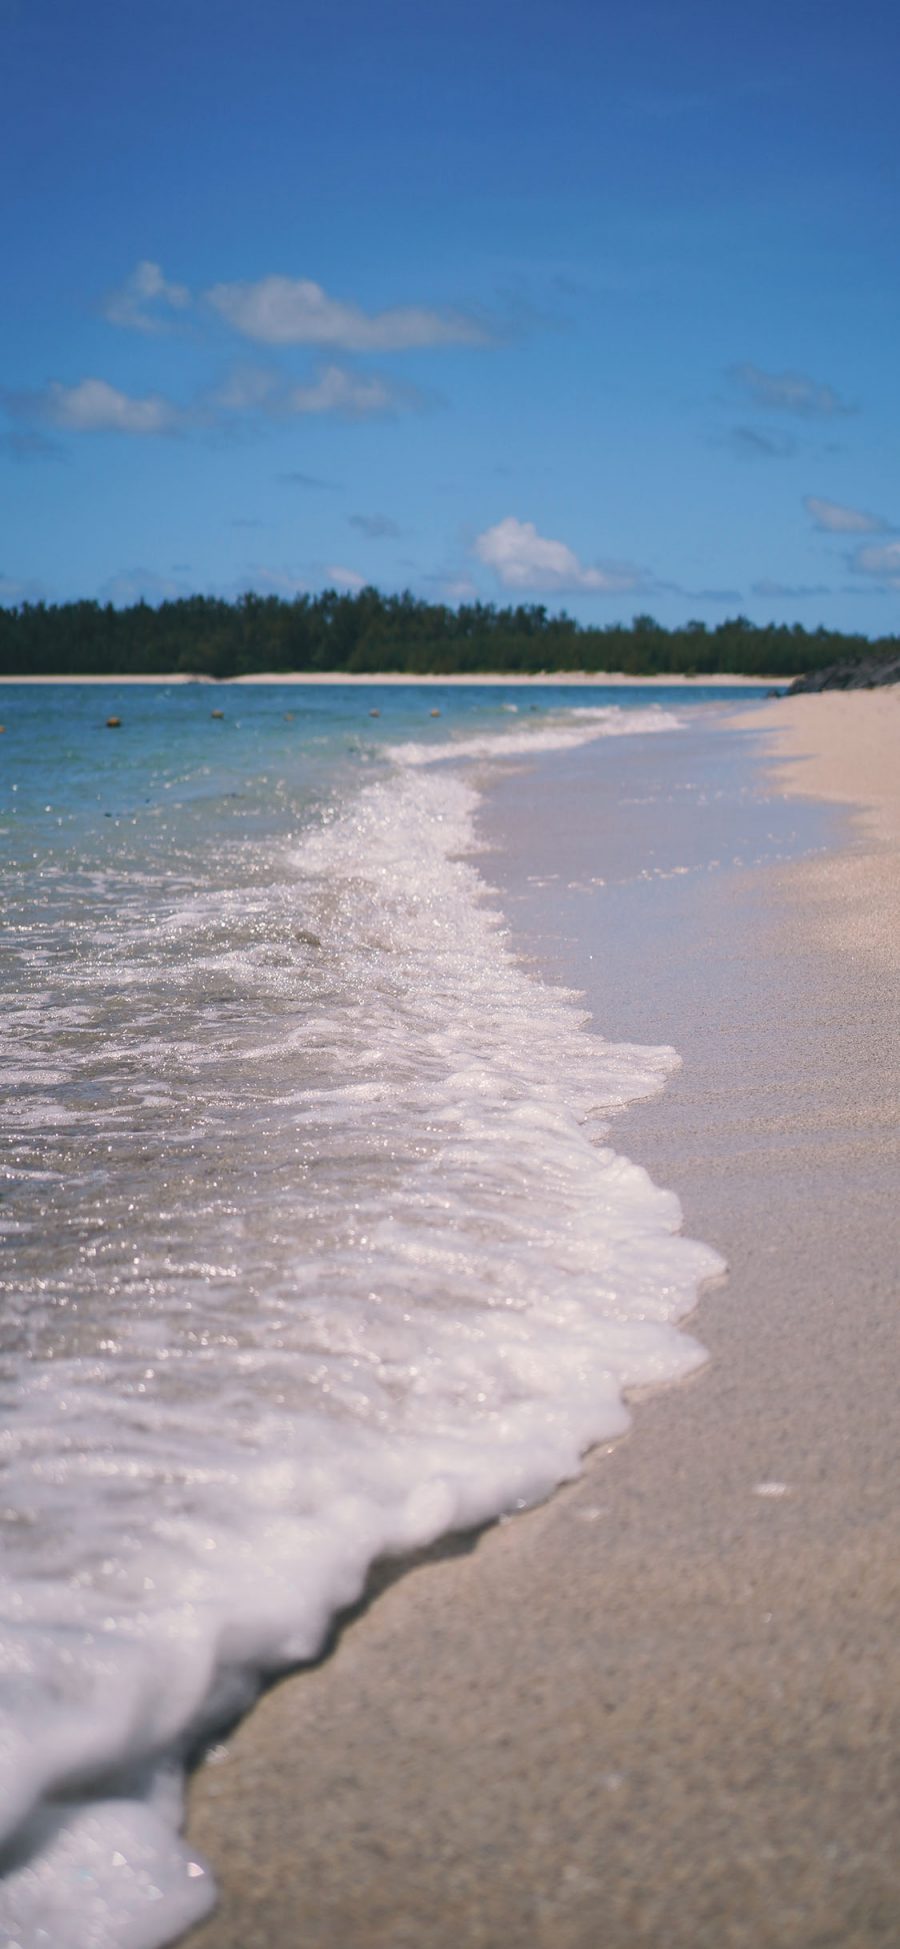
{"x": 557, "y": 731}
{"x": 415, "y": 1285}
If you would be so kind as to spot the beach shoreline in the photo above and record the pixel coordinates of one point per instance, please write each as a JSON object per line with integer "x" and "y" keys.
{"x": 656, "y": 1710}
{"x": 544, "y": 678}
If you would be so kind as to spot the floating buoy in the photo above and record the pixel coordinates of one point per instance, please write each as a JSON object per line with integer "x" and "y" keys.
{"x": 435, "y": 712}
{"x": 289, "y": 716}
{"x": 113, "y": 723}
{"x": 217, "y": 713}
{"x": 2, "y": 729}
{"x": 374, "y": 713}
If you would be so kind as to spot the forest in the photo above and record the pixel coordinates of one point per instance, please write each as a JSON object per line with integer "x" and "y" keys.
{"x": 364, "y": 632}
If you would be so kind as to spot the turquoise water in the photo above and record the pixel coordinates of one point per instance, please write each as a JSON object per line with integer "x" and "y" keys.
{"x": 276, "y": 745}
{"x": 312, "y": 1246}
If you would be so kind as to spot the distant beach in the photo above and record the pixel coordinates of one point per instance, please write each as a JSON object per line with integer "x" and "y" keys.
{"x": 541, "y": 680}
{"x": 662, "y": 1707}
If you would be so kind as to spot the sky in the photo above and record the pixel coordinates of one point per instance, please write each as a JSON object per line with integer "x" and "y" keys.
{"x": 567, "y": 303}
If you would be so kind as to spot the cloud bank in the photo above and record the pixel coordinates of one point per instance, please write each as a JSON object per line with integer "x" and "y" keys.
{"x": 92, "y": 405}
{"x": 278, "y": 310}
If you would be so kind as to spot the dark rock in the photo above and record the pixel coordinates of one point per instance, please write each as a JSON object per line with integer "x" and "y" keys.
{"x": 866, "y": 673}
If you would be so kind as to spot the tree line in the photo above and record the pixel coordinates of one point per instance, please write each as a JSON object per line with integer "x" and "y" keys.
{"x": 369, "y": 632}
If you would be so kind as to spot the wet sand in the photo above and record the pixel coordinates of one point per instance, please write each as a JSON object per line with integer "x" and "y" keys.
{"x": 660, "y": 1711}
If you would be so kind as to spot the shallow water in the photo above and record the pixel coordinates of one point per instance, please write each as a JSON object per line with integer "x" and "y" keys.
{"x": 314, "y": 1247}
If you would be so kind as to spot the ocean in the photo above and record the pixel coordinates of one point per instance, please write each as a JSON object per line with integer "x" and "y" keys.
{"x": 314, "y": 1245}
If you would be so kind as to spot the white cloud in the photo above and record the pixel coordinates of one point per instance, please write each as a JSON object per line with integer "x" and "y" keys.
{"x": 144, "y": 300}
{"x": 252, "y": 390}
{"x": 295, "y": 311}
{"x": 523, "y": 559}
{"x": 345, "y": 578}
{"x": 831, "y": 518}
{"x": 351, "y": 395}
{"x": 93, "y": 406}
{"x": 789, "y": 392}
{"x": 881, "y": 563}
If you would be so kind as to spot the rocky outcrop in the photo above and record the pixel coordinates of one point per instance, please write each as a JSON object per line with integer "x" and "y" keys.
{"x": 865, "y": 673}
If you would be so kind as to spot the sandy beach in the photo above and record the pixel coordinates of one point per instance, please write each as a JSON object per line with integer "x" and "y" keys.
{"x": 846, "y": 748}
{"x": 658, "y": 1712}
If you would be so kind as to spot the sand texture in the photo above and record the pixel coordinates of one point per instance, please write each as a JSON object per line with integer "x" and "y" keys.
{"x": 846, "y": 748}
{"x": 660, "y": 1711}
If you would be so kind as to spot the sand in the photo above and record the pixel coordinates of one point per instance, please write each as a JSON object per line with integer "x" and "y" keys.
{"x": 660, "y": 1711}
{"x": 846, "y": 748}
{"x": 841, "y": 745}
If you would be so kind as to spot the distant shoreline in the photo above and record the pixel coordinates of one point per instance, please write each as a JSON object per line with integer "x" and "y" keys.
{"x": 602, "y": 679}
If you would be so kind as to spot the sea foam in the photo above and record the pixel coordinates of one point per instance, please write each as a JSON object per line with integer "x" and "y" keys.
{"x": 555, "y": 731}
{"x": 365, "y": 1270}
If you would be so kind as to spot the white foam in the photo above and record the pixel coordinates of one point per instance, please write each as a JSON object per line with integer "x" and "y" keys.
{"x": 554, "y": 731}
{"x": 476, "y": 1280}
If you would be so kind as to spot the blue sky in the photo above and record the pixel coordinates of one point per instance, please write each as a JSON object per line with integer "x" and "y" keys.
{"x": 567, "y": 303}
